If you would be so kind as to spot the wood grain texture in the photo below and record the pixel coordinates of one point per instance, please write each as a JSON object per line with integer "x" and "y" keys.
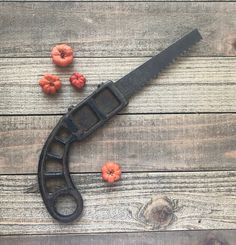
{"x": 148, "y": 201}
{"x": 117, "y": 1}
{"x": 176, "y": 201}
{"x": 221, "y": 237}
{"x": 151, "y": 142}
{"x": 189, "y": 85}
{"x": 115, "y": 28}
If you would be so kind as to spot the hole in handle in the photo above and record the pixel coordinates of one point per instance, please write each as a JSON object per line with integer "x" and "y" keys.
{"x": 65, "y": 205}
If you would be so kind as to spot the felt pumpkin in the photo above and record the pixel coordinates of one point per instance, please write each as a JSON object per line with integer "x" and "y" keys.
{"x": 111, "y": 172}
{"x": 62, "y": 55}
{"x": 50, "y": 84}
{"x": 77, "y": 80}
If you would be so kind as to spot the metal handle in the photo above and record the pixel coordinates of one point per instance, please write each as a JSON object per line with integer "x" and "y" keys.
{"x": 54, "y": 156}
{"x": 79, "y": 122}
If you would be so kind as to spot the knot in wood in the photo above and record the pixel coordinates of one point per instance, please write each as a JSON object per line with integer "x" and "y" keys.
{"x": 159, "y": 212}
{"x": 212, "y": 239}
{"x": 229, "y": 45}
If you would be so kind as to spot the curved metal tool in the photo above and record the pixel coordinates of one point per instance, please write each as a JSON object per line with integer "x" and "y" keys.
{"x": 86, "y": 117}
{"x": 48, "y": 158}
{"x": 79, "y": 122}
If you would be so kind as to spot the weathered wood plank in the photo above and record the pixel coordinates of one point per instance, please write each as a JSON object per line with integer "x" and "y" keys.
{"x": 190, "y": 85}
{"x": 114, "y": 28}
{"x": 151, "y": 142}
{"x": 139, "y": 202}
{"x": 222, "y": 237}
{"x": 118, "y": 1}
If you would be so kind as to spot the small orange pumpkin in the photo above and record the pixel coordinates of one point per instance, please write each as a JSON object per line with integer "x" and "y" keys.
{"x": 77, "y": 80}
{"x": 50, "y": 84}
{"x": 111, "y": 172}
{"x": 62, "y": 55}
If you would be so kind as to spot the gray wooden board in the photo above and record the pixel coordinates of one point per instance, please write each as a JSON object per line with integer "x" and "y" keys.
{"x": 116, "y": 1}
{"x": 139, "y": 202}
{"x": 191, "y": 84}
{"x": 142, "y": 201}
{"x": 221, "y": 237}
{"x": 115, "y": 28}
{"x": 137, "y": 142}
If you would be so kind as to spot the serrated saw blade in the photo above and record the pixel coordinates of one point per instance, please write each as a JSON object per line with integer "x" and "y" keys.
{"x": 137, "y": 78}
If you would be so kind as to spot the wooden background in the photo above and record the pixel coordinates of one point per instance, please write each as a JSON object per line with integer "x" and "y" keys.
{"x": 176, "y": 141}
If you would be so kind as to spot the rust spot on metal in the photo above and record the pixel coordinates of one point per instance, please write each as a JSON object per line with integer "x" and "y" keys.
{"x": 230, "y": 154}
{"x": 159, "y": 211}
